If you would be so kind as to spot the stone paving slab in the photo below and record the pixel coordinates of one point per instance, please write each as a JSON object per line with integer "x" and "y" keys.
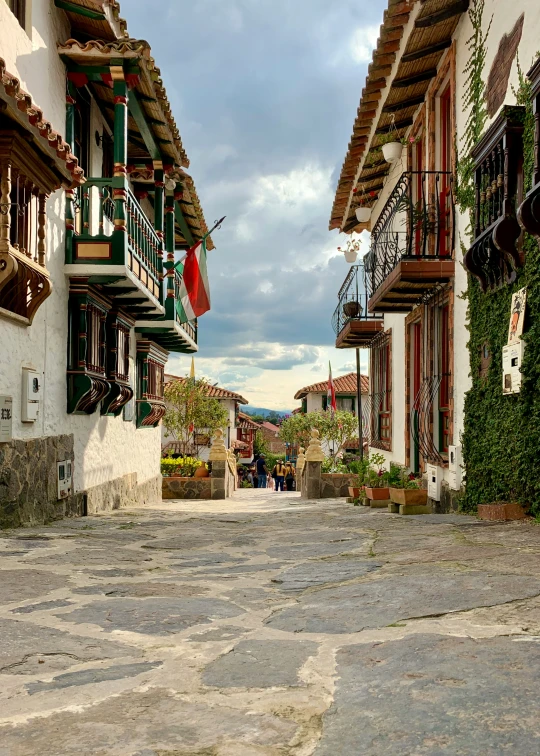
{"x": 182, "y": 631}
{"x": 435, "y": 695}
{"x": 259, "y": 664}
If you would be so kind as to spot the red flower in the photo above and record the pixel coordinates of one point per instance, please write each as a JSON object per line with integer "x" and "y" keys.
{"x": 372, "y": 193}
{"x": 354, "y": 190}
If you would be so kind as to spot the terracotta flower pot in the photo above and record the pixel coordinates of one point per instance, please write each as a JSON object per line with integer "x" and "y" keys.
{"x": 354, "y": 492}
{"x": 408, "y": 495}
{"x": 201, "y": 472}
{"x": 377, "y": 494}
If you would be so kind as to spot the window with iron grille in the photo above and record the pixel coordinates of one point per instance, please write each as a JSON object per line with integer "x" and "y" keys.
{"x": 381, "y": 392}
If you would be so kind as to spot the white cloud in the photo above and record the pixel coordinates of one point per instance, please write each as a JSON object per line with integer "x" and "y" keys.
{"x": 363, "y": 42}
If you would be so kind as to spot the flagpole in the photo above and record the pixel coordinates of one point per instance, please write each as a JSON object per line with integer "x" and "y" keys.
{"x": 359, "y": 404}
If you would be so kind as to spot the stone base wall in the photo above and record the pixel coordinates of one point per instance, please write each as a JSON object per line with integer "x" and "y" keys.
{"x": 28, "y": 482}
{"x": 334, "y": 485}
{"x": 186, "y": 488}
{"x": 123, "y": 492}
{"x": 449, "y": 502}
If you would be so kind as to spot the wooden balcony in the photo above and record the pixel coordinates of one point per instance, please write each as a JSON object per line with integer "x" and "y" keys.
{"x": 410, "y": 280}
{"x": 119, "y": 251}
{"x": 353, "y": 327}
{"x": 412, "y": 243}
{"x": 529, "y": 212}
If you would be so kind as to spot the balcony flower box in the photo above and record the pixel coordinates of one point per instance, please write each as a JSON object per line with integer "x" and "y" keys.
{"x": 416, "y": 496}
{"x": 377, "y": 494}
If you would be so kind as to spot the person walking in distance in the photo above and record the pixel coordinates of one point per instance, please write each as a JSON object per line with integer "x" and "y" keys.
{"x": 278, "y": 474}
{"x": 255, "y": 477}
{"x": 262, "y": 471}
{"x": 289, "y": 476}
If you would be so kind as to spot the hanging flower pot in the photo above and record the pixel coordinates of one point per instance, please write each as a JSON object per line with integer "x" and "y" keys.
{"x": 363, "y": 214}
{"x": 351, "y": 309}
{"x": 350, "y": 255}
{"x": 392, "y": 151}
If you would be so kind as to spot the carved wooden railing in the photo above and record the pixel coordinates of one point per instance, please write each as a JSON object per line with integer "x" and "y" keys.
{"x": 529, "y": 211}
{"x": 493, "y": 257}
{"x": 24, "y": 187}
{"x": 94, "y": 222}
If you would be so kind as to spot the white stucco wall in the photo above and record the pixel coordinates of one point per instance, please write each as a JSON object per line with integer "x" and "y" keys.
{"x": 105, "y": 448}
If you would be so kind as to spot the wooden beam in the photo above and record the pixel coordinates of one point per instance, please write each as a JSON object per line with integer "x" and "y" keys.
{"x": 140, "y": 119}
{"x": 377, "y": 174}
{"x": 79, "y": 10}
{"x": 184, "y": 228}
{"x": 403, "y": 124}
{"x": 444, "y": 14}
{"x": 403, "y": 104}
{"x": 425, "y": 51}
{"x": 409, "y": 81}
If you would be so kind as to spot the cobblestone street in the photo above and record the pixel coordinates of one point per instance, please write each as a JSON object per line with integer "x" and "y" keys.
{"x": 267, "y": 625}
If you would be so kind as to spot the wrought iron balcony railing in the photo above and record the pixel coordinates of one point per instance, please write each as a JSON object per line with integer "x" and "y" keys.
{"x": 352, "y": 324}
{"x": 416, "y": 224}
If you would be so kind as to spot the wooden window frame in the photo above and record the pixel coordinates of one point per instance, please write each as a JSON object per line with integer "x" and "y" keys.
{"x": 18, "y": 8}
{"x": 381, "y": 385}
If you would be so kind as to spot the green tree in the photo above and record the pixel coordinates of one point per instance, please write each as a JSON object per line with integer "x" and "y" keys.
{"x": 296, "y": 429}
{"x": 191, "y": 414}
{"x": 259, "y": 444}
{"x": 337, "y": 428}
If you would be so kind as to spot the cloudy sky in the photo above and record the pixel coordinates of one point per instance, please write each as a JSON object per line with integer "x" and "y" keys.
{"x": 264, "y": 94}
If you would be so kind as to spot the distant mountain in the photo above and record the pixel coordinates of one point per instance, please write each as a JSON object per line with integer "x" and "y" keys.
{"x": 248, "y": 409}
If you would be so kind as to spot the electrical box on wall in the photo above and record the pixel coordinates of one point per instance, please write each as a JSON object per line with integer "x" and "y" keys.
{"x": 454, "y": 467}
{"x": 434, "y": 476}
{"x": 6, "y": 419}
{"x": 512, "y": 357}
{"x": 31, "y": 395}
{"x": 64, "y": 479}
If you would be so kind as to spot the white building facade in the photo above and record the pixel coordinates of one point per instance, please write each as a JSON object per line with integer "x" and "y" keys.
{"x": 94, "y": 214}
{"x": 446, "y": 222}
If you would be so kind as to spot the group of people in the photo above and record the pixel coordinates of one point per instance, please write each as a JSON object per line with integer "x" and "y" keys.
{"x": 282, "y": 475}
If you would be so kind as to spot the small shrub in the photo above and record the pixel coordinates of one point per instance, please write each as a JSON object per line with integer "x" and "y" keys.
{"x": 183, "y": 466}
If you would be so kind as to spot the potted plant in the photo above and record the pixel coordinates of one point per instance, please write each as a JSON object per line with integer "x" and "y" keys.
{"x": 351, "y": 250}
{"x": 352, "y": 309}
{"x": 392, "y": 145}
{"x": 405, "y": 487}
{"x": 376, "y": 479}
{"x": 201, "y": 471}
{"x": 363, "y": 211}
{"x": 359, "y": 468}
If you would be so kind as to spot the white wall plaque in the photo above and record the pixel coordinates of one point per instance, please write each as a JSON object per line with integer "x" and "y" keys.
{"x": 6, "y": 419}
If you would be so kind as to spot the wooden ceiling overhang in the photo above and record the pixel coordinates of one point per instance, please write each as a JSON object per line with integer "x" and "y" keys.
{"x": 94, "y": 19}
{"x": 428, "y": 39}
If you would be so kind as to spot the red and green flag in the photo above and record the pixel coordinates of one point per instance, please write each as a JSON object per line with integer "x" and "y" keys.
{"x": 194, "y": 295}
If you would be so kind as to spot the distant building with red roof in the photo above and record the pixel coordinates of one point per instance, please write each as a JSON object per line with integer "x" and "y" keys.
{"x": 314, "y": 396}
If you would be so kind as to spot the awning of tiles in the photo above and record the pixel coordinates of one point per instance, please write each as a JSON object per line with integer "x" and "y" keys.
{"x": 152, "y": 131}
{"x": 427, "y": 42}
{"x": 17, "y": 106}
{"x": 96, "y": 19}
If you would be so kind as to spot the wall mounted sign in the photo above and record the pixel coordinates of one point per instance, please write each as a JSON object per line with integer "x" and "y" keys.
{"x": 6, "y": 419}
{"x": 517, "y": 316}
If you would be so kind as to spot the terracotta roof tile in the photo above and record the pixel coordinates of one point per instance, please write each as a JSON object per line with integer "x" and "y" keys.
{"x": 246, "y": 422}
{"x": 346, "y": 384}
{"x": 213, "y": 391}
{"x": 30, "y": 117}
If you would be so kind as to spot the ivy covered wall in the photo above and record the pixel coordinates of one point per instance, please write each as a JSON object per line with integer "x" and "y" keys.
{"x": 501, "y": 439}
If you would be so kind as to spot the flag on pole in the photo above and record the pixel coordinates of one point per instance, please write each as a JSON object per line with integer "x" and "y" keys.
{"x": 194, "y": 295}
{"x": 331, "y": 395}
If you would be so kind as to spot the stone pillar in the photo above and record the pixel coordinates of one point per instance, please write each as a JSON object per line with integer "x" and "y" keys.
{"x": 300, "y": 464}
{"x": 311, "y": 480}
{"x": 219, "y": 457}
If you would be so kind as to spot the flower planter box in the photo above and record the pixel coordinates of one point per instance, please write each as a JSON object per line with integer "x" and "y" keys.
{"x": 354, "y": 493}
{"x": 416, "y": 496}
{"x": 501, "y": 511}
{"x": 377, "y": 494}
